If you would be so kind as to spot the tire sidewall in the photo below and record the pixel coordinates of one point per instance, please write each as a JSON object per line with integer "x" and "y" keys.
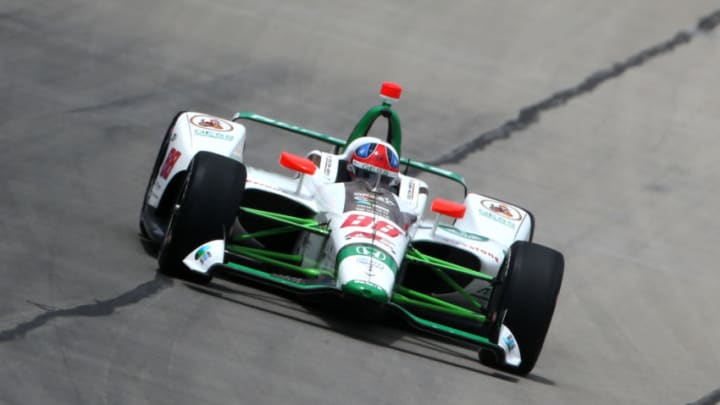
{"x": 206, "y": 207}
{"x": 525, "y": 300}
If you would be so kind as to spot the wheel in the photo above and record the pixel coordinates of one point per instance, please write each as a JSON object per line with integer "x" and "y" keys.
{"x": 525, "y": 301}
{"x": 205, "y": 208}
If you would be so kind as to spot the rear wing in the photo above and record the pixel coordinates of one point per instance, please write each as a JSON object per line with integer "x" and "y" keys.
{"x": 340, "y": 144}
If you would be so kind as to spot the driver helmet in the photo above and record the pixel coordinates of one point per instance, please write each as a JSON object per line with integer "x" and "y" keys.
{"x": 375, "y": 162}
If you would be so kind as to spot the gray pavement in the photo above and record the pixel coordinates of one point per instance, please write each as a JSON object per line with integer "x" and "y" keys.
{"x": 621, "y": 178}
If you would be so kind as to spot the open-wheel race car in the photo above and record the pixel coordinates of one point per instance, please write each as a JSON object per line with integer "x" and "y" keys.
{"x": 351, "y": 222}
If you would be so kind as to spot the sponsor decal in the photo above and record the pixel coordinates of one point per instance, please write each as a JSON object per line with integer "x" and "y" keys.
{"x": 361, "y": 200}
{"x": 367, "y": 254}
{"x": 486, "y": 253}
{"x": 463, "y": 234}
{"x": 208, "y": 122}
{"x": 502, "y": 209}
{"x": 371, "y": 197}
{"x": 203, "y": 254}
{"x": 509, "y": 341}
{"x": 362, "y": 234}
{"x": 366, "y": 206}
{"x": 474, "y": 248}
{"x": 385, "y": 205}
{"x": 497, "y": 218}
{"x": 169, "y": 163}
{"x": 214, "y": 135}
{"x": 327, "y": 166}
{"x": 412, "y": 187}
{"x": 366, "y": 250}
{"x": 369, "y": 283}
{"x": 366, "y": 221}
{"x": 375, "y": 237}
{"x": 271, "y": 187}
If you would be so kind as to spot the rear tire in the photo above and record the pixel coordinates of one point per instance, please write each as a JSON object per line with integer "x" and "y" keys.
{"x": 530, "y": 283}
{"x": 205, "y": 209}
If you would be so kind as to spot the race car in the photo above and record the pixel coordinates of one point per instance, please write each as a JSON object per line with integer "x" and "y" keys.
{"x": 356, "y": 221}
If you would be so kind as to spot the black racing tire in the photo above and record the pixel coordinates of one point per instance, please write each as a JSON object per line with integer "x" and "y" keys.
{"x": 205, "y": 209}
{"x": 529, "y": 285}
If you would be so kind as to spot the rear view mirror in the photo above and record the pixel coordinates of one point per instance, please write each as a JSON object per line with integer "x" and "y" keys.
{"x": 297, "y": 163}
{"x": 448, "y": 208}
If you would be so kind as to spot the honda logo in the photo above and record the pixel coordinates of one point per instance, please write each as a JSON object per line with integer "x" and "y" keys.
{"x": 370, "y": 251}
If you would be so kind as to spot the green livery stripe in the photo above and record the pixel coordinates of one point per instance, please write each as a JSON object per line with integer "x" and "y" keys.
{"x": 436, "y": 171}
{"x": 295, "y": 222}
{"x": 283, "y": 260}
{"x": 417, "y": 256}
{"x": 459, "y": 312}
{"x": 267, "y": 232}
{"x": 444, "y": 329}
{"x": 463, "y": 234}
{"x": 457, "y": 287}
{"x": 248, "y": 115}
{"x": 365, "y": 290}
{"x": 274, "y": 279}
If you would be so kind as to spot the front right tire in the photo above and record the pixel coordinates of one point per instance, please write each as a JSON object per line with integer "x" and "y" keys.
{"x": 525, "y": 301}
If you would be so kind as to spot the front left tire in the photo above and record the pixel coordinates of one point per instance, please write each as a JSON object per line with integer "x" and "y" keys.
{"x": 205, "y": 209}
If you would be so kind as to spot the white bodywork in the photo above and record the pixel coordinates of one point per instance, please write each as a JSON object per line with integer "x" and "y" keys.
{"x": 191, "y": 133}
{"x": 487, "y": 216}
{"x": 509, "y": 345}
{"x": 369, "y": 247}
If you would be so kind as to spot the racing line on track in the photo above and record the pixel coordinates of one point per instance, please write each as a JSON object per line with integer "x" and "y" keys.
{"x": 530, "y": 114}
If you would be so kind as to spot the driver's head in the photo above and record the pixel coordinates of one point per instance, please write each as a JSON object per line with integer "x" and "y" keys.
{"x": 375, "y": 162}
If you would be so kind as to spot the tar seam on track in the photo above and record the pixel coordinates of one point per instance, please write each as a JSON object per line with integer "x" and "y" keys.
{"x": 99, "y": 308}
{"x": 526, "y": 117}
{"x": 709, "y": 399}
{"x": 529, "y": 115}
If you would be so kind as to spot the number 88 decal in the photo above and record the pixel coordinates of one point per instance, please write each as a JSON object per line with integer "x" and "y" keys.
{"x": 365, "y": 221}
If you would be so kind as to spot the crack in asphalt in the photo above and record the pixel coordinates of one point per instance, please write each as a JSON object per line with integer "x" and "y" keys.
{"x": 98, "y": 308}
{"x": 529, "y": 115}
{"x": 525, "y": 118}
{"x": 709, "y": 399}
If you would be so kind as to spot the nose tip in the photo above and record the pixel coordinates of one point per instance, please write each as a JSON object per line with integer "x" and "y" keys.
{"x": 367, "y": 291}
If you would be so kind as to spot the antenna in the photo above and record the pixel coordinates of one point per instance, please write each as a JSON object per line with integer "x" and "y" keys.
{"x": 390, "y": 92}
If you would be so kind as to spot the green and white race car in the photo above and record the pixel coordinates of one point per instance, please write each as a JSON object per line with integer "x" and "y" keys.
{"x": 352, "y": 222}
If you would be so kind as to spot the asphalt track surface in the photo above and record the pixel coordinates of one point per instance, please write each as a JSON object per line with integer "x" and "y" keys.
{"x": 595, "y": 115}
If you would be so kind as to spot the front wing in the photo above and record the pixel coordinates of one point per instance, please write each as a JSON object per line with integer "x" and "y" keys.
{"x": 232, "y": 259}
